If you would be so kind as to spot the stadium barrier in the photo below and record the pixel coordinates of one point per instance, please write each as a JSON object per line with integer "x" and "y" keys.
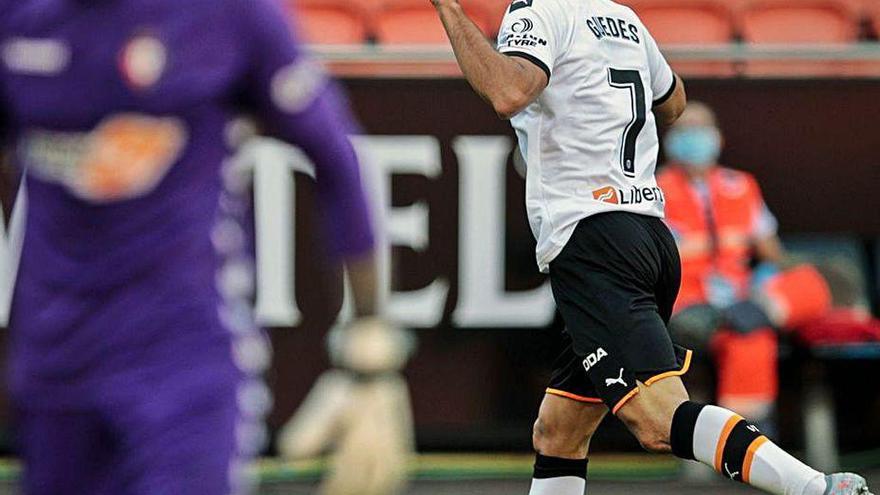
{"x": 855, "y": 60}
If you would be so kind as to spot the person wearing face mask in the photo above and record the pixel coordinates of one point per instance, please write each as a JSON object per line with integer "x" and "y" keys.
{"x": 721, "y": 224}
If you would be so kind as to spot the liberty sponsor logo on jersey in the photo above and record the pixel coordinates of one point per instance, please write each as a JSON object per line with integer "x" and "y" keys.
{"x": 611, "y": 27}
{"x": 594, "y": 358}
{"x": 632, "y": 196}
{"x": 142, "y": 61}
{"x": 606, "y": 194}
{"x": 124, "y": 157}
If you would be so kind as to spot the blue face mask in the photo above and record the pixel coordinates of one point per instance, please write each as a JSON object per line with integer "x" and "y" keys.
{"x": 694, "y": 146}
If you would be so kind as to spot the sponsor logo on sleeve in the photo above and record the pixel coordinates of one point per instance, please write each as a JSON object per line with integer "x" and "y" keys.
{"x": 519, "y": 35}
{"x": 523, "y": 25}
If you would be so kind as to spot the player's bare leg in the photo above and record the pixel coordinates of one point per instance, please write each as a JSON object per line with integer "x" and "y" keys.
{"x": 664, "y": 420}
{"x": 649, "y": 414}
{"x": 561, "y": 438}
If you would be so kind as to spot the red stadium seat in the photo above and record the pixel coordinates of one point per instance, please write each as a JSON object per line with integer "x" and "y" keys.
{"x": 873, "y": 12}
{"x": 795, "y": 22}
{"x": 800, "y": 21}
{"x": 404, "y": 22}
{"x": 690, "y": 22}
{"x": 860, "y": 7}
{"x": 331, "y": 22}
{"x": 495, "y": 11}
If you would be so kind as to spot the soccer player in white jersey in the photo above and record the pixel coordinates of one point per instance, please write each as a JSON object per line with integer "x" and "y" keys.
{"x": 585, "y": 87}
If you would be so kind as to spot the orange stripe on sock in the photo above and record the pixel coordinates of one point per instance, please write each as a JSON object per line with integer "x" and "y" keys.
{"x": 722, "y": 440}
{"x": 569, "y": 395}
{"x": 750, "y": 456}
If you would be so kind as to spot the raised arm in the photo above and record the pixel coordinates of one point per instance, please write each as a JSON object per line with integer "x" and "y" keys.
{"x": 321, "y": 131}
{"x": 508, "y": 82}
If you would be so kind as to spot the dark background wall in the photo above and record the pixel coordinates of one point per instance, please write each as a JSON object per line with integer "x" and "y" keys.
{"x": 812, "y": 145}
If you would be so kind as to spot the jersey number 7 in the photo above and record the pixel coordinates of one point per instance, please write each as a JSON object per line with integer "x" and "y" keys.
{"x": 630, "y": 80}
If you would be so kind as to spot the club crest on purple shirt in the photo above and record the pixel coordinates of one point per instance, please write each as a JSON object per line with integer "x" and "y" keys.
{"x": 142, "y": 61}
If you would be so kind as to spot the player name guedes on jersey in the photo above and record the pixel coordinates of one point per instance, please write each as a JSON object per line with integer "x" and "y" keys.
{"x": 569, "y": 179}
{"x": 604, "y": 27}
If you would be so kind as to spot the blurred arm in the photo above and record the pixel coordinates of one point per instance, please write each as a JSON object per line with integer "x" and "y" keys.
{"x": 364, "y": 280}
{"x": 322, "y": 132}
{"x": 299, "y": 103}
{"x": 769, "y": 250}
{"x": 508, "y": 83}
{"x": 766, "y": 245}
{"x": 3, "y": 126}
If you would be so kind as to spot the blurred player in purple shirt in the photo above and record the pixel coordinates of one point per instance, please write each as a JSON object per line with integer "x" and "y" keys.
{"x": 134, "y": 357}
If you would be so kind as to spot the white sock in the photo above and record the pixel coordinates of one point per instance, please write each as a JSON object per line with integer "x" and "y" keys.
{"x": 816, "y": 486}
{"x": 776, "y": 471}
{"x": 737, "y": 450}
{"x": 567, "y": 485}
{"x": 557, "y": 476}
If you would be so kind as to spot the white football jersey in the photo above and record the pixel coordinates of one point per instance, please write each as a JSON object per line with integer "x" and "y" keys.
{"x": 590, "y": 140}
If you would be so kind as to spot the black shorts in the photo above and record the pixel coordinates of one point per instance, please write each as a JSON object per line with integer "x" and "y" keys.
{"x": 615, "y": 284}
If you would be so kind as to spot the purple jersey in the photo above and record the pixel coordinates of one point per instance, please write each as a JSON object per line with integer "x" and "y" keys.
{"x": 135, "y": 255}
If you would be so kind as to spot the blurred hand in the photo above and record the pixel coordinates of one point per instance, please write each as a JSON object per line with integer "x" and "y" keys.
{"x": 370, "y": 346}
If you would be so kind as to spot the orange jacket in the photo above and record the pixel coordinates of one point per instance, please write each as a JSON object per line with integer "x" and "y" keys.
{"x": 736, "y": 206}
